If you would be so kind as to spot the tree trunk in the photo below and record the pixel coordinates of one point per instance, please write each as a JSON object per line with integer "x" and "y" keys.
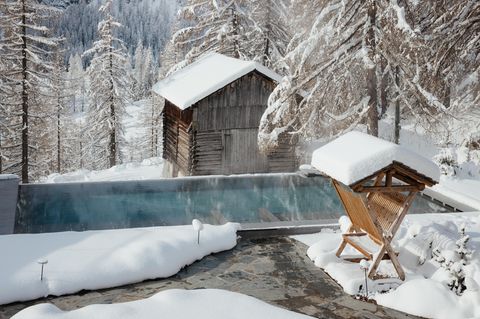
{"x": 236, "y": 45}
{"x": 372, "y": 116}
{"x": 397, "y": 106}
{"x": 81, "y": 154}
{"x": 383, "y": 88}
{"x": 112, "y": 156}
{"x": 446, "y": 94}
{"x": 58, "y": 137}
{"x": 153, "y": 124}
{"x": 266, "y": 51}
{"x": 24, "y": 97}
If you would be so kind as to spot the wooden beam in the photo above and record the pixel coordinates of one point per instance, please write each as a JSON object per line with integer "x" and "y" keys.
{"x": 359, "y": 183}
{"x": 405, "y": 179}
{"x": 390, "y": 189}
{"x": 388, "y": 181}
{"x": 405, "y": 170}
{"x": 358, "y": 247}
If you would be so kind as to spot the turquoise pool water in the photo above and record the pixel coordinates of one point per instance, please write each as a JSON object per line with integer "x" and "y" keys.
{"x": 279, "y": 198}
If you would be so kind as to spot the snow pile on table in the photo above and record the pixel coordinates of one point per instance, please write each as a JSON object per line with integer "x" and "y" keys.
{"x": 205, "y": 76}
{"x": 174, "y": 303}
{"x": 101, "y": 259}
{"x": 151, "y": 168}
{"x": 420, "y": 239}
{"x": 356, "y": 155}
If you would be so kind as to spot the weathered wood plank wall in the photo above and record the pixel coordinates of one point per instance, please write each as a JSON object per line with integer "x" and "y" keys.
{"x": 177, "y": 137}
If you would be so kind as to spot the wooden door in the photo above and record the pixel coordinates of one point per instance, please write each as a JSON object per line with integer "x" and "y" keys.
{"x": 240, "y": 152}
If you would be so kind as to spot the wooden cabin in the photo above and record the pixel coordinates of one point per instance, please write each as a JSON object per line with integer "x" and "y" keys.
{"x": 211, "y": 117}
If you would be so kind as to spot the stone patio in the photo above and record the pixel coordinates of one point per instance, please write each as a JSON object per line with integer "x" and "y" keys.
{"x": 274, "y": 269}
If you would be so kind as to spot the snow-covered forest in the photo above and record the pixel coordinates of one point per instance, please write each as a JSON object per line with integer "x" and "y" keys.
{"x": 69, "y": 70}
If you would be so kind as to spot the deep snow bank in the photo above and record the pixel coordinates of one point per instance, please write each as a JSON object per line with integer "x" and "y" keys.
{"x": 102, "y": 259}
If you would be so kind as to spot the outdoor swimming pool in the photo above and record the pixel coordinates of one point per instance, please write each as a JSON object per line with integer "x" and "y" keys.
{"x": 266, "y": 198}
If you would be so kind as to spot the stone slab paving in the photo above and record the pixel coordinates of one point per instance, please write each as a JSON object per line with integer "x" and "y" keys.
{"x": 275, "y": 270}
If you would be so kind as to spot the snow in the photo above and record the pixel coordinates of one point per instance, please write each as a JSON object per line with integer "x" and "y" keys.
{"x": 356, "y": 155}
{"x": 462, "y": 190}
{"x": 205, "y": 76}
{"x": 197, "y": 225}
{"x": 424, "y": 292}
{"x": 465, "y": 191}
{"x": 100, "y": 259}
{"x": 173, "y": 303}
{"x": 151, "y": 168}
{"x": 402, "y": 23}
{"x": 8, "y": 176}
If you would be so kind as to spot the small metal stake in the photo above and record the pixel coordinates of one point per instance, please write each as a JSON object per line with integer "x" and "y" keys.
{"x": 366, "y": 285}
{"x": 43, "y": 263}
{"x": 365, "y": 266}
{"x": 198, "y": 237}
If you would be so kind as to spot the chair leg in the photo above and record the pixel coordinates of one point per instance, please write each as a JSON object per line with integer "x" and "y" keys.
{"x": 386, "y": 248}
{"x": 341, "y": 248}
{"x": 395, "y": 262}
{"x": 344, "y": 243}
{"x": 376, "y": 261}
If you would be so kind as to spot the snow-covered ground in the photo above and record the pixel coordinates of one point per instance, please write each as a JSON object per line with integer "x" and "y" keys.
{"x": 464, "y": 186}
{"x": 151, "y": 168}
{"x": 424, "y": 291}
{"x": 101, "y": 259}
{"x": 174, "y": 303}
{"x": 463, "y": 190}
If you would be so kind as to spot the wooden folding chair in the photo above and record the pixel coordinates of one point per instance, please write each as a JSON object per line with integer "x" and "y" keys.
{"x": 377, "y": 215}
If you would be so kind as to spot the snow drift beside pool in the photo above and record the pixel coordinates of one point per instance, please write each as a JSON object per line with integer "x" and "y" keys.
{"x": 175, "y": 303}
{"x": 102, "y": 259}
{"x": 424, "y": 292}
{"x": 356, "y": 155}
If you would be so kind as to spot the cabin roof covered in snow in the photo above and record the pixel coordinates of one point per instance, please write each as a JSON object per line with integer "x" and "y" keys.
{"x": 208, "y": 74}
{"x": 355, "y": 156}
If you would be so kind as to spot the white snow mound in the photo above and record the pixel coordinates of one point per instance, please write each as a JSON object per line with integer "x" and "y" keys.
{"x": 101, "y": 259}
{"x": 174, "y": 303}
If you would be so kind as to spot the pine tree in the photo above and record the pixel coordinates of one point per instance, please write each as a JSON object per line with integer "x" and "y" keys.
{"x": 59, "y": 97}
{"x": 269, "y": 36}
{"x": 76, "y": 83}
{"x": 138, "y": 71}
{"x": 26, "y": 50}
{"x": 108, "y": 96}
{"x": 219, "y": 26}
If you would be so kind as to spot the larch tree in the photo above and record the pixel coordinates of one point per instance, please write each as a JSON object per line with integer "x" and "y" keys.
{"x": 108, "y": 92}
{"x": 269, "y": 35}
{"x": 330, "y": 63}
{"x": 138, "y": 71}
{"x": 76, "y": 83}
{"x": 352, "y": 59}
{"x": 26, "y": 51}
{"x": 220, "y": 26}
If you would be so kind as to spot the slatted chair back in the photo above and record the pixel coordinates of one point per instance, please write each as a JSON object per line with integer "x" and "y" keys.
{"x": 354, "y": 204}
{"x": 388, "y": 208}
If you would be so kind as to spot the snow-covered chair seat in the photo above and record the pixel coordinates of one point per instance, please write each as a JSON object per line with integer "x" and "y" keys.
{"x": 376, "y": 182}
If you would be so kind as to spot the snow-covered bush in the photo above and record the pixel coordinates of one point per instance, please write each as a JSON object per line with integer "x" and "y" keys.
{"x": 447, "y": 161}
{"x": 454, "y": 262}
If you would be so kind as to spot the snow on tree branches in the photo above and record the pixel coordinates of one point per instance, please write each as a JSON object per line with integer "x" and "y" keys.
{"x": 108, "y": 89}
